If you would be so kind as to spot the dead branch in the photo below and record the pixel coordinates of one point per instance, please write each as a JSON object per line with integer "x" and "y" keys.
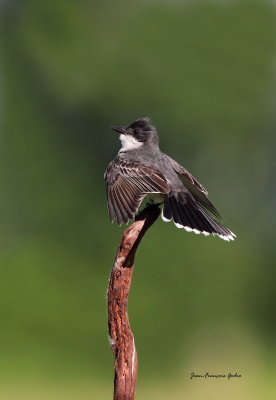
{"x": 121, "y": 336}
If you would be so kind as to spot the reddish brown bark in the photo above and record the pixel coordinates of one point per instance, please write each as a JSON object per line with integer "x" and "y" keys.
{"x": 121, "y": 336}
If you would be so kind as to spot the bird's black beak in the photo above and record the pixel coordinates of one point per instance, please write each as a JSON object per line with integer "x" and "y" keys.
{"x": 120, "y": 129}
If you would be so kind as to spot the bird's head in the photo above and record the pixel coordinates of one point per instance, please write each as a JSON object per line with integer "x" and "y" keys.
{"x": 137, "y": 134}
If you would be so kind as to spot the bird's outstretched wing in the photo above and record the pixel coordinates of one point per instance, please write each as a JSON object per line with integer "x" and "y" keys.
{"x": 127, "y": 184}
{"x": 198, "y": 192}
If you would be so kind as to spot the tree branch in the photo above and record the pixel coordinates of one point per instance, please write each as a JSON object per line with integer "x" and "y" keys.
{"x": 121, "y": 336}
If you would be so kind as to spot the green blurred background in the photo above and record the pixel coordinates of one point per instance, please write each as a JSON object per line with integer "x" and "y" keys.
{"x": 204, "y": 71}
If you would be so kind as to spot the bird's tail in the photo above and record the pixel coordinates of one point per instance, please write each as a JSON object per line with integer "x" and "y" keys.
{"x": 187, "y": 214}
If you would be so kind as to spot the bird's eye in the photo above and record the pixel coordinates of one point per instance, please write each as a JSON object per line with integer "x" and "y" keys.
{"x": 135, "y": 131}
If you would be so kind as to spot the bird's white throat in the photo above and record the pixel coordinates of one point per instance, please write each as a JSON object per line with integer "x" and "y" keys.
{"x": 129, "y": 143}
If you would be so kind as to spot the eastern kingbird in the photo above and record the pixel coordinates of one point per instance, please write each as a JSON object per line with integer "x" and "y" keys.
{"x": 141, "y": 169}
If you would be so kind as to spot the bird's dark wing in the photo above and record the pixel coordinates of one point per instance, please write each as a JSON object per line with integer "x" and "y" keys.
{"x": 199, "y": 193}
{"x": 127, "y": 184}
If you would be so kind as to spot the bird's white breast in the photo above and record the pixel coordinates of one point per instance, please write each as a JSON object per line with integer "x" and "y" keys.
{"x": 129, "y": 143}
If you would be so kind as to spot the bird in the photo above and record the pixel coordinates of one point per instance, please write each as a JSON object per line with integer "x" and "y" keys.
{"x": 141, "y": 170}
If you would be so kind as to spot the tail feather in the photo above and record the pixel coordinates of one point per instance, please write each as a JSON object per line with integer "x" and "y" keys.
{"x": 179, "y": 208}
{"x": 201, "y": 224}
{"x": 177, "y": 212}
{"x": 187, "y": 214}
{"x": 189, "y": 219}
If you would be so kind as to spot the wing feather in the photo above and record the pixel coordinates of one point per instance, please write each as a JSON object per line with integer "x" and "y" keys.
{"x": 124, "y": 202}
{"x": 116, "y": 204}
{"x": 112, "y": 213}
{"x": 127, "y": 185}
{"x": 198, "y": 191}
